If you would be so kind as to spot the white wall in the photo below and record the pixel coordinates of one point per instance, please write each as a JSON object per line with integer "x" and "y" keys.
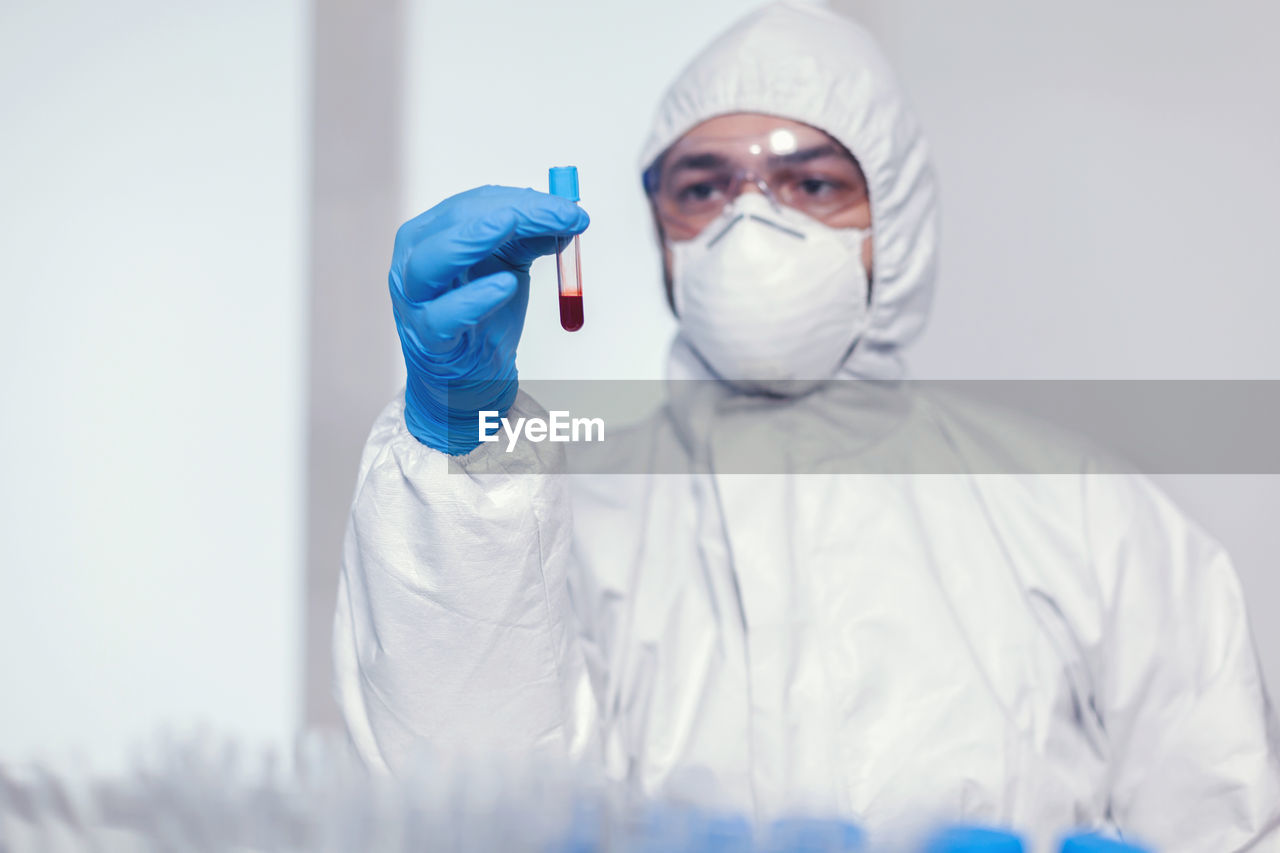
{"x": 1109, "y": 183}
{"x": 152, "y": 213}
{"x": 1109, "y": 188}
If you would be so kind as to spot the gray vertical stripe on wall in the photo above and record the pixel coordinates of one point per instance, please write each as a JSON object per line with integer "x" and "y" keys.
{"x": 357, "y": 70}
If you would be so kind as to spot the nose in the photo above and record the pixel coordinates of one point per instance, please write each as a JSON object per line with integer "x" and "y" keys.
{"x": 752, "y": 183}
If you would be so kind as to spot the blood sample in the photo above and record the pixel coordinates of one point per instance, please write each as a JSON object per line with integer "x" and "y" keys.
{"x": 564, "y": 183}
{"x": 569, "y": 270}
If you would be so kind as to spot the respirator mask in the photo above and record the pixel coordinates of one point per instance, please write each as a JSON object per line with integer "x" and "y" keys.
{"x": 771, "y": 299}
{"x": 769, "y": 296}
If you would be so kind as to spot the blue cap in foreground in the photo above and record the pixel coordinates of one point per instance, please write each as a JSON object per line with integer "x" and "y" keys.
{"x": 1098, "y": 844}
{"x": 974, "y": 839}
{"x": 814, "y": 835}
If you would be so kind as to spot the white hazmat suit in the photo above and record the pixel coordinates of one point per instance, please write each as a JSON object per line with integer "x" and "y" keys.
{"x": 1040, "y": 651}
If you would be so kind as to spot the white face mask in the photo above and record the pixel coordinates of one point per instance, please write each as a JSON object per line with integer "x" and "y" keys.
{"x": 767, "y": 295}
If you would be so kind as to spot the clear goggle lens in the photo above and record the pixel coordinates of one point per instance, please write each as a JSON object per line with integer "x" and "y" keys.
{"x": 695, "y": 179}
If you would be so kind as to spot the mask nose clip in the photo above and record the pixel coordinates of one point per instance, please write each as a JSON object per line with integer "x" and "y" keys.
{"x": 735, "y": 215}
{"x": 777, "y": 226}
{"x": 725, "y": 230}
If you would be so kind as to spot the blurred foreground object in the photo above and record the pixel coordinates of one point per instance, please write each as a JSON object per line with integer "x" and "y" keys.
{"x": 207, "y": 794}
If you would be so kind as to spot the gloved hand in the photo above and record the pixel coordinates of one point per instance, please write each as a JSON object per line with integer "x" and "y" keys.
{"x": 459, "y": 289}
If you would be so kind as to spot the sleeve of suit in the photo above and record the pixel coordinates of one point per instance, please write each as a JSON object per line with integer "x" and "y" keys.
{"x": 453, "y": 628}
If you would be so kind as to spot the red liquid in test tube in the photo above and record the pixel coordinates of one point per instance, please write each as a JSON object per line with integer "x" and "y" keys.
{"x": 569, "y": 271}
{"x": 564, "y": 183}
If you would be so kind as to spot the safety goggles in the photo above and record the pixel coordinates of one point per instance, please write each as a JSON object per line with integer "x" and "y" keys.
{"x": 697, "y": 177}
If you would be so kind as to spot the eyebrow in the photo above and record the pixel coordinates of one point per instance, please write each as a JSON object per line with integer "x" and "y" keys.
{"x": 705, "y": 160}
{"x": 711, "y": 160}
{"x": 804, "y": 155}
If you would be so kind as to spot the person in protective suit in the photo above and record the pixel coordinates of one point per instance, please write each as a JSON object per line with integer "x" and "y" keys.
{"x": 1031, "y": 650}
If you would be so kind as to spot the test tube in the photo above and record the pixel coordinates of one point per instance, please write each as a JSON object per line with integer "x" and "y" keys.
{"x": 564, "y": 183}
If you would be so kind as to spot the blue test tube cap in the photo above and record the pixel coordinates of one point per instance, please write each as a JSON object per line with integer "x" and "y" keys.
{"x": 814, "y": 835}
{"x": 1091, "y": 843}
{"x": 974, "y": 839}
{"x": 722, "y": 834}
{"x": 564, "y": 182}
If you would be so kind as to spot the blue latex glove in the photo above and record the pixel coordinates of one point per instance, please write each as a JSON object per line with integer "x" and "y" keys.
{"x": 459, "y": 288}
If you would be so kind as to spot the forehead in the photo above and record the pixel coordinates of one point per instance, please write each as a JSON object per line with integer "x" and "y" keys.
{"x": 754, "y": 132}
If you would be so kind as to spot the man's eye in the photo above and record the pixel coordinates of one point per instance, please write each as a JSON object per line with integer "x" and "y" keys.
{"x": 697, "y": 192}
{"x": 816, "y": 186}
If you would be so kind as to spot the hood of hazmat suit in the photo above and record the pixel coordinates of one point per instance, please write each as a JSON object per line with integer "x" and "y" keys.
{"x": 1049, "y": 652}
{"x": 803, "y": 62}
